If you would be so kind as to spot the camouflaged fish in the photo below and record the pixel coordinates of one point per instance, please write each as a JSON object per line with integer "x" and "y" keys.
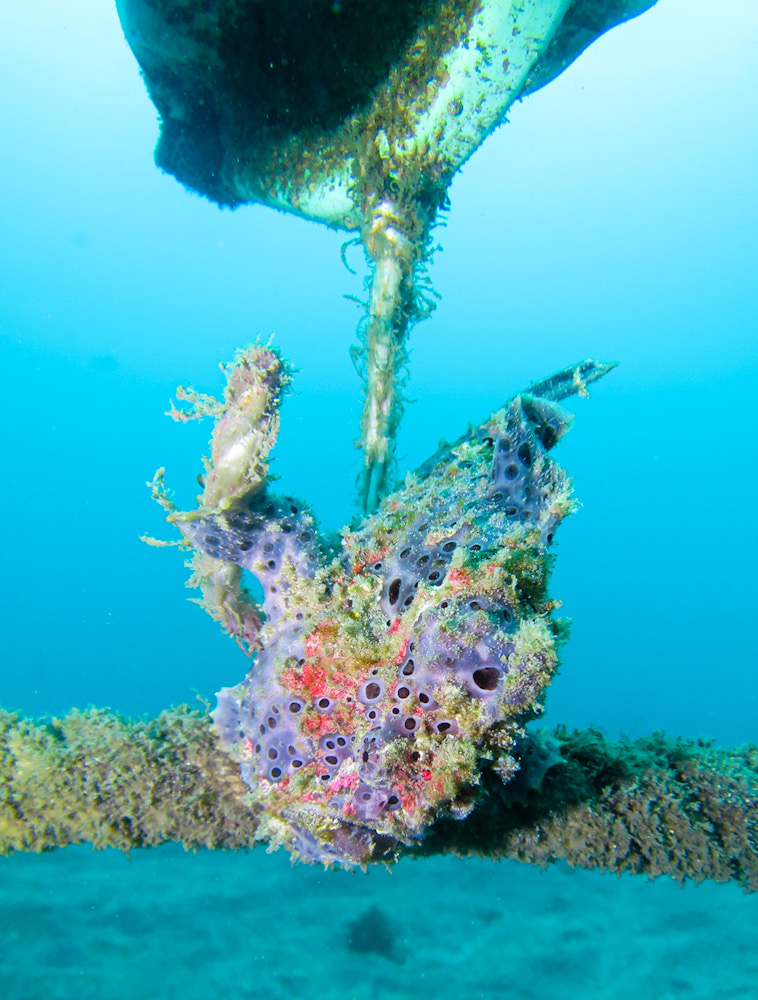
{"x": 390, "y": 669}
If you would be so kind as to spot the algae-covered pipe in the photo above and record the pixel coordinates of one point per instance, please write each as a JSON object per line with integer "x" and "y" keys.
{"x": 96, "y": 778}
{"x": 653, "y": 806}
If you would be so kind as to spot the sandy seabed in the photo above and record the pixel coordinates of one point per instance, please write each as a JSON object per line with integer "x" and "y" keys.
{"x": 167, "y": 925}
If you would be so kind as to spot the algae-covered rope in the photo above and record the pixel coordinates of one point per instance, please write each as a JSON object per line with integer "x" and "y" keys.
{"x": 395, "y": 236}
{"x": 654, "y": 806}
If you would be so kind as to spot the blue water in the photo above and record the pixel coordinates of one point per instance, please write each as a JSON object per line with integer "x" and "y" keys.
{"x": 616, "y": 216}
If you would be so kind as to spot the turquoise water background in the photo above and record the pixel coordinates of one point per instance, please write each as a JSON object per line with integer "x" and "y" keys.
{"x": 615, "y": 216}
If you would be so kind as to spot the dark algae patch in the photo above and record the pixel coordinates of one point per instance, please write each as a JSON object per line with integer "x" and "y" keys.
{"x": 656, "y": 806}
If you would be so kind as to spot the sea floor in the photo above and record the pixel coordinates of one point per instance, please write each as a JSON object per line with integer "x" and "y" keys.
{"x": 167, "y": 925}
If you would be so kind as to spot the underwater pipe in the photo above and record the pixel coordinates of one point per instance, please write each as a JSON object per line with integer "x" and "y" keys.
{"x": 386, "y": 710}
{"x": 652, "y": 806}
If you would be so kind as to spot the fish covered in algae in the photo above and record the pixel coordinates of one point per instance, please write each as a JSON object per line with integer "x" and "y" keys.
{"x": 391, "y": 666}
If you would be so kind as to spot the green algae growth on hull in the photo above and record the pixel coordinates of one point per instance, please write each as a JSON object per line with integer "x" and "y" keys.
{"x": 356, "y": 115}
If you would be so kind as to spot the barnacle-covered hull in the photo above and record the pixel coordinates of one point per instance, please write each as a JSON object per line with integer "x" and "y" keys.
{"x": 311, "y": 106}
{"x": 356, "y": 114}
